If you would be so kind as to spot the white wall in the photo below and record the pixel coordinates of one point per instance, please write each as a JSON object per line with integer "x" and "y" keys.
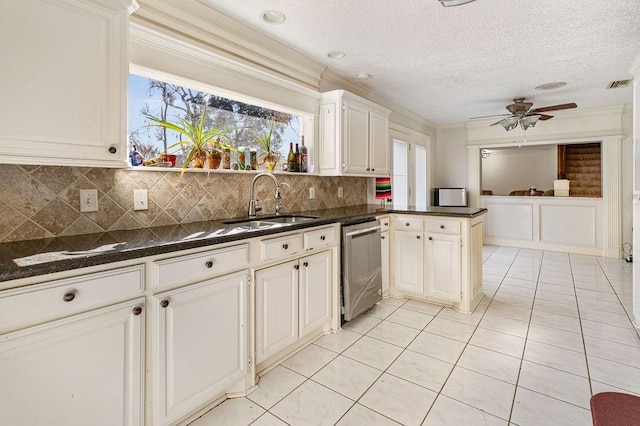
{"x": 510, "y": 169}
{"x": 451, "y": 158}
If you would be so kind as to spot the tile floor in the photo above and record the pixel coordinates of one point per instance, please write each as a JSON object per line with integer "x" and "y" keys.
{"x": 552, "y": 329}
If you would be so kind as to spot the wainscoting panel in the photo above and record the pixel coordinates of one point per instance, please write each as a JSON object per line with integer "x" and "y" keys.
{"x": 567, "y": 224}
{"x": 512, "y": 221}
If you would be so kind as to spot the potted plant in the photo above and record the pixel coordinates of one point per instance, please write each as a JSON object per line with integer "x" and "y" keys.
{"x": 198, "y": 141}
{"x": 270, "y": 158}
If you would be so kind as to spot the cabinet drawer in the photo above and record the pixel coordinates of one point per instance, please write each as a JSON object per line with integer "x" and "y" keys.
{"x": 65, "y": 297}
{"x": 408, "y": 223}
{"x": 385, "y": 223}
{"x": 443, "y": 226}
{"x": 201, "y": 266}
{"x": 319, "y": 238}
{"x": 274, "y": 248}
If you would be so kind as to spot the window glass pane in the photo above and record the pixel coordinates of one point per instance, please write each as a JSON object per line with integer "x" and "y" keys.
{"x": 172, "y": 102}
{"x": 420, "y": 176}
{"x": 400, "y": 181}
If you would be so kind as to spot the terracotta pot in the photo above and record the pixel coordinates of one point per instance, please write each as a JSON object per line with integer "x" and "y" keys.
{"x": 198, "y": 159}
{"x": 214, "y": 159}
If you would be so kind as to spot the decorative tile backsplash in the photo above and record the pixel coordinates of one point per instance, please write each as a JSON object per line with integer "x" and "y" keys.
{"x": 44, "y": 201}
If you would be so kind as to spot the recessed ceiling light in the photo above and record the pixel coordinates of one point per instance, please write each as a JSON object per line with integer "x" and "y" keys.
{"x": 551, "y": 86}
{"x": 336, "y": 54}
{"x": 364, "y": 76}
{"x": 449, "y": 3}
{"x": 274, "y": 17}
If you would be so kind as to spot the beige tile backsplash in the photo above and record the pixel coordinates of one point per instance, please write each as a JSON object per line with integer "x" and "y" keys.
{"x": 44, "y": 201}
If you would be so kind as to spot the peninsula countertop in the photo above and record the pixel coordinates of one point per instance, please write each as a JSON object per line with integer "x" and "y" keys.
{"x": 22, "y": 259}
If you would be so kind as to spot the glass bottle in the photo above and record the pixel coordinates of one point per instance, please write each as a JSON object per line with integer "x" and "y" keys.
{"x": 291, "y": 159}
{"x": 297, "y": 167}
{"x": 241, "y": 158}
{"x": 304, "y": 158}
{"x": 226, "y": 159}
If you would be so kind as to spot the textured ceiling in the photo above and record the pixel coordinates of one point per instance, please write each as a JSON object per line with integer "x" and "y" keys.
{"x": 450, "y": 64}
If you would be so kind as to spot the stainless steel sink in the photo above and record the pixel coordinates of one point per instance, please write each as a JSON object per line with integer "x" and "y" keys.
{"x": 270, "y": 221}
{"x": 253, "y": 224}
{"x": 288, "y": 219}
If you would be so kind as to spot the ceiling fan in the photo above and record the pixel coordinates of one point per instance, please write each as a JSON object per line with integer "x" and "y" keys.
{"x": 521, "y": 113}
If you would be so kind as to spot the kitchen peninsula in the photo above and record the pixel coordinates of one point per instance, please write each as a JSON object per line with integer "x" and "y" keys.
{"x": 205, "y": 306}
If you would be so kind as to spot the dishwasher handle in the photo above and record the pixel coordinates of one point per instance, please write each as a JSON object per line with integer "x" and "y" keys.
{"x": 363, "y": 231}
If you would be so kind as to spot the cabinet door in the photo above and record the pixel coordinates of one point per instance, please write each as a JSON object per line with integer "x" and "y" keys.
{"x": 384, "y": 239}
{"x": 200, "y": 345}
{"x": 443, "y": 267}
{"x": 276, "y": 309}
{"x": 83, "y": 370}
{"x": 409, "y": 262}
{"x": 315, "y": 292}
{"x": 379, "y": 144}
{"x": 356, "y": 138}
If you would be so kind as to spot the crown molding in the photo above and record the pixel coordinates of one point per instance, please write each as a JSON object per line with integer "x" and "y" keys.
{"x": 195, "y": 22}
{"x": 635, "y": 67}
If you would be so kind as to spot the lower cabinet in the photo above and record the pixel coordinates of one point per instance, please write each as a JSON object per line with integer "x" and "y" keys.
{"x": 292, "y": 300}
{"x": 86, "y": 369}
{"x": 443, "y": 267}
{"x": 384, "y": 248}
{"x": 200, "y": 344}
{"x": 408, "y": 260}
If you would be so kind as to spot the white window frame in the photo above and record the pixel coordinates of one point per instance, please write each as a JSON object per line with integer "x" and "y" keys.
{"x": 412, "y": 139}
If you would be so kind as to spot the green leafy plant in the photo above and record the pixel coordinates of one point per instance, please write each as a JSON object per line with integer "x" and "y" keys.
{"x": 270, "y": 158}
{"x": 198, "y": 139}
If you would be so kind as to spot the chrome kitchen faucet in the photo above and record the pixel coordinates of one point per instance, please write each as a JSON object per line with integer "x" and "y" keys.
{"x": 252, "y": 198}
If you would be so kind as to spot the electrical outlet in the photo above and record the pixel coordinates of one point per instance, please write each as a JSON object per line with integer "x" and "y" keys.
{"x": 141, "y": 199}
{"x": 312, "y": 193}
{"x": 340, "y": 192}
{"x": 88, "y": 200}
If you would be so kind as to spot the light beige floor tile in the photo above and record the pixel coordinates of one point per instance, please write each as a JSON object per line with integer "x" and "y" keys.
{"x": 471, "y": 319}
{"x": 509, "y": 311}
{"x": 518, "y": 290}
{"x": 451, "y": 329}
{"x": 504, "y": 325}
{"x": 556, "y": 357}
{"x": 338, "y": 342}
{"x": 561, "y": 322}
{"x": 275, "y": 385}
{"x": 552, "y": 296}
{"x": 438, "y": 347}
{"x": 360, "y": 415}
{"x": 373, "y": 352}
{"x": 569, "y": 310}
{"x": 490, "y": 363}
{"x": 583, "y": 293}
{"x": 603, "y": 331}
{"x": 309, "y": 360}
{"x": 614, "y": 374}
{"x": 482, "y": 392}
{"x": 393, "y": 333}
{"x": 558, "y": 384}
{"x": 234, "y": 411}
{"x": 512, "y": 299}
{"x": 311, "y": 403}
{"x": 498, "y": 342}
{"x": 424, "y": 307}
{"x": 447, "y": 412}
{"x": 410, "y": 318}
{"x": 556, "y": 337}
{"x": 518, "y": 282}
{"x": 347, "y": 377}
{"x": 268, "y": 419}
{"x": 422, "y": 370}
{"x": 617, "y": 352}
{"x": 410, "y": 409}
{"x": 598, "y": 387}
{"x": 361, "y": 324}
{"x": 610, "y": 318}
{"x": 395, "y": 301}
{"x": 381, "y": 310}
{"x": 602, "y": 305}
{"x": 534, "y": 409}
{"x": 555, "y": 288}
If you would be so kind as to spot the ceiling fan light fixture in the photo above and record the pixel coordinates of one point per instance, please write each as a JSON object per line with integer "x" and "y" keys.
{"x": 529, "y": 121}
{"x": 509, "y": 123}
{"x": 450, "y": 3}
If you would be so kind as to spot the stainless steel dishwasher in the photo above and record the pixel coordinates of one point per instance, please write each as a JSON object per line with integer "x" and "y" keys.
{"x": 361, "y": 267}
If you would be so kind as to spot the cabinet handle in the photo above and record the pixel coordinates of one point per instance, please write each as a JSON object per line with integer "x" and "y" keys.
{"x": 113, "y": 149}
{"x": 407, "y": 224}
{"x": 164, "y": 303}
{"x": 386, "y": 224}
{"x": 69, "y": 296}
{"x": 209, "y": 264}
{"x": 368, "y": 169}
{"x": 430, "y": 238}
{"x": 441, "y": 226}
{"x": 306, "y": 264}
{"x": 137, "y": 310}
{"x": 373, "y": 170}
{"x": 296, "y": 266}
{"x": 322, "y": 237}
{"x": 418, "y": 236}
{"x": 382, "y": 236}
{"x": 285, "y": 246}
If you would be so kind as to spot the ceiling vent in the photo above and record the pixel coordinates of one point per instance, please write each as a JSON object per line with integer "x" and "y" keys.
{"x": 618, "y": 84}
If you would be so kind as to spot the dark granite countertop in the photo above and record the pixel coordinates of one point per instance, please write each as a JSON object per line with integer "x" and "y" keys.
{"x": 22, "y": 259}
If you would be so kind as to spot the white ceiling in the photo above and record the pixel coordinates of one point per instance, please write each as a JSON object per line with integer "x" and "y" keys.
{"x": 450, "y": 64}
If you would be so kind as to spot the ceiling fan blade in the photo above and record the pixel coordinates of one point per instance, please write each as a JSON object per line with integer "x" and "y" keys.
{"x": 545, "y": 117}
{"x": 489, "y": 116}
{"x": 497, "y": 122}
{"x": 555, "y": 107}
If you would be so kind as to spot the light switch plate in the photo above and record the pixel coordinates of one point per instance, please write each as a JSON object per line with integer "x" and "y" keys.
{"x": 88, "y": 200}
{"x": 141, "y": 199}
{"x": 312, "y": 193}
{"x": 340, "y": 193}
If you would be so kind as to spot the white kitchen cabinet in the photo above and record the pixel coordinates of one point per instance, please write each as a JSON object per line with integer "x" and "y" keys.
{"x": 293, "y": 299}
{"x": 314, "y": 292}
{"x": 353, "y": 136}
{"x": 200, "y": 344}
{"x": 443, "y": 267}
{"x": 66, "y": 70}
{"x": 408, "y": 260}
{"x": 82, "y": 370}
{"x": 276, "y": 308}
{"x": 384, "y": 248}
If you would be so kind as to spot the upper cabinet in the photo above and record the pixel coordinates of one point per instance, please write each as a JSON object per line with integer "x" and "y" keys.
{"x": 64, "y": 82}
{"x": 353, "y": 136}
